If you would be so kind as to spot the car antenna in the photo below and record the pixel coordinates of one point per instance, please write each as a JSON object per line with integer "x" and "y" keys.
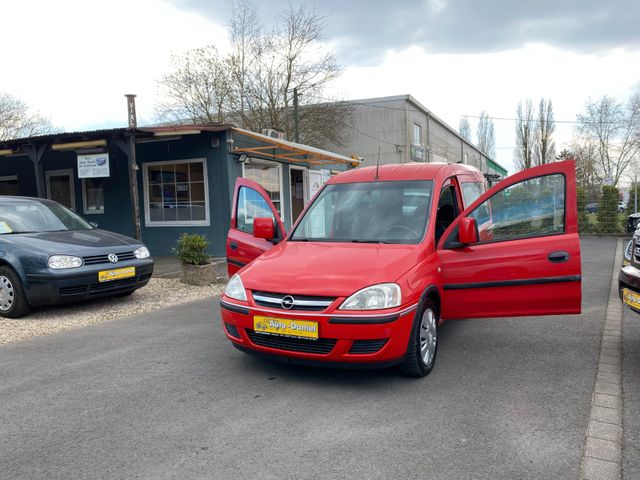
{"x": 377, "y": 163}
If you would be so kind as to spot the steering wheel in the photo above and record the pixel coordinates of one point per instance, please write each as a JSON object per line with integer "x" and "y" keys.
{"x": 403, "y": 228}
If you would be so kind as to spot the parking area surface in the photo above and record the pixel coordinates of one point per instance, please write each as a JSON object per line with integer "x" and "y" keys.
{"x": 164, "y": 395}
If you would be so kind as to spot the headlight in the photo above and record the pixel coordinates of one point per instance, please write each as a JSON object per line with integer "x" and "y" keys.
{"x": 142, "y": 252}
{"x": 235, "y": 289}
{"x": 384, "y": 295}
{"x": 59, "y": 262}
{"x": 627, "y": 251}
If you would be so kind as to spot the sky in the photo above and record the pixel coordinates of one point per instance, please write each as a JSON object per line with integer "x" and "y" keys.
{"x": 73, "y": 60}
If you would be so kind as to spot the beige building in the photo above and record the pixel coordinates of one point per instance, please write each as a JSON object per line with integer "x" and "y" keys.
{"x": 406, "y": 131}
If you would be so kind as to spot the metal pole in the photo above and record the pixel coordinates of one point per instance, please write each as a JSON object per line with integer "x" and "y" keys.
{"x": 635, "y": 195}
{"x": 133, "y": 167}
{"x": 296, "y": 128}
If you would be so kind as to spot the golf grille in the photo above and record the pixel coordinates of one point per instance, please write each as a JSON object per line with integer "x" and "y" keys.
{"x": 322, "y": 346}
{"x": 97, "y": 259}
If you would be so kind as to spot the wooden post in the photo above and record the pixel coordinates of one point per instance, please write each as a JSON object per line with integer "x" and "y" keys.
{"x": 35, "y": 154}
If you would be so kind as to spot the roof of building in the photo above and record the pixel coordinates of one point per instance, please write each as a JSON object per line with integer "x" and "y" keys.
{"x": 258, "y": 144}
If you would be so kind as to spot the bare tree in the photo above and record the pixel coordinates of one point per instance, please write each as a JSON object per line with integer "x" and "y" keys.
{"x": 17, "y": 120}
{"x": 464, "y": 129}
{"x": 614, "y": 129}
{"x": 545, "y": 149}
{"x": 256, "y": 91}
{"x": 525, "y": 137}
{"x": 197, "y": 89}
{"x": 486, "y": 135}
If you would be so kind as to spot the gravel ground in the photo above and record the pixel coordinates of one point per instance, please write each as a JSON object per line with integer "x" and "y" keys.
{"x": 158, "y": 294}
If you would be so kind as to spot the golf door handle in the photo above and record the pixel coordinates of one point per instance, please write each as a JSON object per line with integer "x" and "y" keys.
{"x": 233, "y": 245}
{"x": 558, "y": 256}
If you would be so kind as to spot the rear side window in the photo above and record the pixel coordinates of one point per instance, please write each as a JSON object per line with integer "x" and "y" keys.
{"x": 251, "y": 205}
{"x": 531, "y": 208}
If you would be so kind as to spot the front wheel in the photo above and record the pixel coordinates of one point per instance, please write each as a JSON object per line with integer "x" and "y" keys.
{"x": 13, "y": 303}
{"x": 423, "y": 343}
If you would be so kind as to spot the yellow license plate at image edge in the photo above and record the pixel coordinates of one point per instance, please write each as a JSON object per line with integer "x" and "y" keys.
{"x": 631, "y": 298}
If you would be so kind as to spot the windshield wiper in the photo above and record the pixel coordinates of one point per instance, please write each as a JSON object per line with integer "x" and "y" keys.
{"x": 357, "y": 240}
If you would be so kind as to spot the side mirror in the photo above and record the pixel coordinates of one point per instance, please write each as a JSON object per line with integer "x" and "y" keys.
{"x": 263, "y": 228}
{"x": 468, "y": 231}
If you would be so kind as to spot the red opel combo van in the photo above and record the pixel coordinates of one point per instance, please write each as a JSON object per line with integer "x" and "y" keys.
{"x": 382, "y": 256}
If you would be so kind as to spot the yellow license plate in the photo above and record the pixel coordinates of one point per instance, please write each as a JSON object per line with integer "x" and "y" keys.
{"x": 285, "y": 327}
{"x": 117, "y": 274}
{"x": 631, "y": 298}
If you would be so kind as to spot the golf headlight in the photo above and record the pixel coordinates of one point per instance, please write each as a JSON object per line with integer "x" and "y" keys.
{"x": 235, "y": 289}
{"x": 142, "y": 252}
{"x": 59, "y": 262}
{"x": 383, "y": 295}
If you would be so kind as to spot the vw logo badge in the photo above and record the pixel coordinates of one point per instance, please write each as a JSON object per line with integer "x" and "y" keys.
{"x": 113, "y": 258}
{"x": 287, "y": 302}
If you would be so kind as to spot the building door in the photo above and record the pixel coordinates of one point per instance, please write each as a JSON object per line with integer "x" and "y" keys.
{"x": 60, "y": 187}
{"x": 298, "y": 191}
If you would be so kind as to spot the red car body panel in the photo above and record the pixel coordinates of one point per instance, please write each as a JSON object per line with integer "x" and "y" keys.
{"x": 490, "y": 279}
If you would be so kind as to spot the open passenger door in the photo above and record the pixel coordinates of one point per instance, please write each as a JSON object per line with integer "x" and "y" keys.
{"x": 250, "y": 201}
{"x": 515, "y": 251}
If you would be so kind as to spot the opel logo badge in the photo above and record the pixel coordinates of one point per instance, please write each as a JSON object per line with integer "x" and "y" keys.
{"x": 287, "y": 302}
{"x": 113, "y": 258}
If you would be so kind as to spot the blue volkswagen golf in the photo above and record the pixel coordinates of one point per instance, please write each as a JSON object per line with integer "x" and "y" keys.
{"x": 50, "y": 255}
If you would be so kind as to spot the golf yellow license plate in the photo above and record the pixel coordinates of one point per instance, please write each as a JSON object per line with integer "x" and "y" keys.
{"x": 285, "y": 327}
{"x": 631, "y": 298}
{"x": 117, "y": 274}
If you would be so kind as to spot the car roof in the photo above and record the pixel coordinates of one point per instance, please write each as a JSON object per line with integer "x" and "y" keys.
{"x": 405, "y": 171}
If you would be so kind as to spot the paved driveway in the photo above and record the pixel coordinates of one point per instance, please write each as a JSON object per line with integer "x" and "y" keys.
{"x": 164, "y": 395}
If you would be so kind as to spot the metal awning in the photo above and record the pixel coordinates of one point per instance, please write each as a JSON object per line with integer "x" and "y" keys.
{"x": 288, "y": 151}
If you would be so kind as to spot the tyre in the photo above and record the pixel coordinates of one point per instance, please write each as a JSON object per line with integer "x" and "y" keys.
{"x": 13, "y": 303}
{"x": 423, "y": 342}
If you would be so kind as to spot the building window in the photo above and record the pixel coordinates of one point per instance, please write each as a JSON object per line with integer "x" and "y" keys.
{"x": 269, "y": 176}
{"x": 176, "y": 193}
{"x": 9, "y": 185}
{"x": 93, "y": 195}
{"x": 417, "y": 134}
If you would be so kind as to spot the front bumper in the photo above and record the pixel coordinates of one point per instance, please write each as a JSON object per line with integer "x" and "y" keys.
{"x": 51, "y": 287}
{"x": 374, "y": 341}
{"x": 629, "y": 277}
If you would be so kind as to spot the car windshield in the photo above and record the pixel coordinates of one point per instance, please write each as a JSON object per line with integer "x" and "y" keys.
{"x": 28, "y": 217}
{"x": 370, "y": 212}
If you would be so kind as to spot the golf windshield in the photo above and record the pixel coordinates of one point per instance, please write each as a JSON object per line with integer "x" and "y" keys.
{"x": 370, "y": 212}
{"x": 29, "y": 217}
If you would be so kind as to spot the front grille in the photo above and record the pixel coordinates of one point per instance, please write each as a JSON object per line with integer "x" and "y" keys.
{"x": 98, "y": 259}
{"x": 362, "y": 347}
{"x": 300, "y": 302}
{"x": 321, "y": 346}
{"x": 96, "y": 288}
{"x": 75, "y": 290}
{"x": 231, "y": 330}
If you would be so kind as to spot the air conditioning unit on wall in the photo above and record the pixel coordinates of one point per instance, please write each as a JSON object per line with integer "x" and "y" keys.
{"x": 270, "y": 132}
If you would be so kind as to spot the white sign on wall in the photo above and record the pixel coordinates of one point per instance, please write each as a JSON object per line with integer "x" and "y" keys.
{"x": 93, "y": 165}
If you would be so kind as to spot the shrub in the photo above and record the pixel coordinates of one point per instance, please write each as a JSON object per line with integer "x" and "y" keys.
{"x": 583, "y": 220}
{"x": 608, "y": 211}
{"x": 192, "y": 249}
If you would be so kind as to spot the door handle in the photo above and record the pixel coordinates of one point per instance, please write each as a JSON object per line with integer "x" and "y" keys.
{"x": 233, "y": 245}
{"x": 559, "y": 256}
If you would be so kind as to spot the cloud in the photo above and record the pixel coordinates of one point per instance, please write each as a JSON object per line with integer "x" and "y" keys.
{"x": 364, "y": 31}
